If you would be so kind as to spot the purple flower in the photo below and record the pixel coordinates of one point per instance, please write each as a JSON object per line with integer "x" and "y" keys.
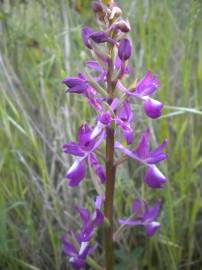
{"x": 144, "y": 215}
{"x": 77, "y": 256}
{"x": 142, "y": 152}
{"x": 143, "y": 90}
{"x": 101, "y": 37}
{"x": 153, "y": 177}
{"x": 90, "y": 222}
{"x": 147, "y": 85}
{"x": 98, "y": 37}
{"x": 124, "y": 49}
{"x": 92, "y": 64}
{"x": 80, "y": 85}
{"x": 101, "y": 71}
{"x": 77, "y": 85}
{"x": 83, "y": 150}
{"x": 123, "y": 119}
{"x": 105, "y": 118}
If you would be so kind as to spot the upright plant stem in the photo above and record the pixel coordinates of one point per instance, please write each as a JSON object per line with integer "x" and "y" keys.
{"x": 108, "y": 209}
{"x": 110, "y": 182}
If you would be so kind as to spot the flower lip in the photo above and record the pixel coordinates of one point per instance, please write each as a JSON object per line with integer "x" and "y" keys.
{"x": 154, "y": 178}
{"x": 76, "y": 173}
{"x": 153, "y": 108}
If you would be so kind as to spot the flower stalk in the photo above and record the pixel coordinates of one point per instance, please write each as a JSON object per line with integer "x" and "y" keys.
{"x": 110, "y": 175}
{"x": 109, "y": 196}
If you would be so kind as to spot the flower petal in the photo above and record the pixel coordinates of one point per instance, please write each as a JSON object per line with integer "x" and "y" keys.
{"x": 83, "y": 252}
{"x": 105, "y": 118}
{"x": 152, "y": 227}
{"x": 128, "y": 134}
{"x": 125, "y": 113}
{"x": 154, "y": 178}
{"x": 152, "y": 213}
{"x": 84, "y": 138}
{"x": 96, "y": 165}
{"x": 97, "y": 130}
{"x": 152, "y": 108}
{"x": 68, "y": 248}
{"x": 98, "y": 202}
{"x": 101, "y": 37}
{"x": 126, "y": 151}
{"x": 147, "y": 85}
{"x": 85, "y": 33}
{"x": 142, "y": 149}
{"x": 84, "y": 214}
{"x": 97, "y": 68}
{"x": 98, "y": 218}
{"x": 122, "y": 25}
{"x": 73, "y": 149}
{"x": 126, "y": 129}
{"x": 76, "y": 173}
{"x": 157, "y": 154}
{"x": 138, "y": 207}
{"x": 76, "y": 262}
{"x": 160, "y": 148}
{"x": 76, "y": 85}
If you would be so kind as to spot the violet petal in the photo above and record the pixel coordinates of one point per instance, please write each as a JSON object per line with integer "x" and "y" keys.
{"x": 153, "y": 108}
{"x": 154, "y": 178}
{"x": 76, "y": 173}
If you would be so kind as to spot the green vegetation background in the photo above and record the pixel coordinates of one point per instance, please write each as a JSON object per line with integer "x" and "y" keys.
{"x": 40, "y": 43}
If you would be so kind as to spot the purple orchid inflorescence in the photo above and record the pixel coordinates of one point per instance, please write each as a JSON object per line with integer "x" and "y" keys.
{"x": 103, "y": 84}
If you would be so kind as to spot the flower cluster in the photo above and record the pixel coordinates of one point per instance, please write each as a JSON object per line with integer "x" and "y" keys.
{"x": 77, "y": 255}
{"x": 103, "y": 85}
{"x": 144, "y": 215}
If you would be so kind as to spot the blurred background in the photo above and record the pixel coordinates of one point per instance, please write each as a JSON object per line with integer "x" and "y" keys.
{"x": 40, "y": 44}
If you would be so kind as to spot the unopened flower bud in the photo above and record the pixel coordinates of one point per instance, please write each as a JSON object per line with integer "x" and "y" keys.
{"x": 122, "y": 25}
{"x": 99, "y": 37}
{"x": 97, "y": 7}
{"x": 125, "y": 49}
{"x": 115, "y": 13}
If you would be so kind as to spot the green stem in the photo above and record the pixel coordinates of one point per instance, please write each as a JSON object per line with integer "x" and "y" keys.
{"x": 93, "y": 264}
